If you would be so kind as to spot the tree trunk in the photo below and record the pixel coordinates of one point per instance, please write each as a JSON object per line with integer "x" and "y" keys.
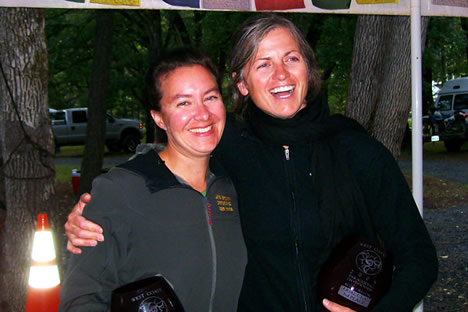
{"x": 179, "y": 25}
{"x": 428, "y": 100}
{"x": 28, "y": 146}
{"x": 198, "y": 22}
{"x": 155, "y": 49}
{"x": 93, "y": 154}
{"x": 2, "y": 184}
{"x": 3, "y": 303}
{"x": 379, "y": 95}
{"x": 464, "y": 25}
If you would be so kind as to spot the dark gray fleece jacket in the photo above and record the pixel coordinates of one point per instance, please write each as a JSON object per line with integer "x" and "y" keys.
{"x": 154, "y": 224}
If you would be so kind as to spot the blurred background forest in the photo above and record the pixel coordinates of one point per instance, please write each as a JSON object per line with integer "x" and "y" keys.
{"x": 140, "y": 36}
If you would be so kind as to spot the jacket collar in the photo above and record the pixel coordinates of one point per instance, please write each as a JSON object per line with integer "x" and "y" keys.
{"x": 241, "y": 127}
{"x": 152, "y": 168}
{"x": 156, "y": 174}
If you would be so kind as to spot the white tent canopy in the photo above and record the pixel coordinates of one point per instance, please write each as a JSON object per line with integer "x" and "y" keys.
{"x": 388, "y": 7}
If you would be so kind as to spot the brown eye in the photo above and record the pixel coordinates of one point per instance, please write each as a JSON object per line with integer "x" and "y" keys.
{"x": 181, "y": 104}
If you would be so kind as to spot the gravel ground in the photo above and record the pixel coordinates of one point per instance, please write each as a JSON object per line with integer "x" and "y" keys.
{"x": 447, "y": 170}
{"x": 448, "y": 228}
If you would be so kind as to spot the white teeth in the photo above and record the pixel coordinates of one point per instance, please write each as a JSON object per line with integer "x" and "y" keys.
{"x": 282, "y": 89}
{"x": 201, "y": 130}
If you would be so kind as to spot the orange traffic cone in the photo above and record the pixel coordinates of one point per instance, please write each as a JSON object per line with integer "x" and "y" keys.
{"x": 44, "y": 281}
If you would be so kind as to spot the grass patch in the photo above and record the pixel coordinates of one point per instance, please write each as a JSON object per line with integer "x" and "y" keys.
{"x": 438, "y": 193}
{"x": 437, "y": 151}
{"x": 63, "y": 172}
{"x": 70, "y": 151}
{"x": 77, "y": 151}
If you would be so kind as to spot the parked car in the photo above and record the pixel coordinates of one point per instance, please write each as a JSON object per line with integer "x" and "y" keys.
{"x": 69, "y": 127}
{"x": 448, "y": 121}
{"x": 426, "y": 130}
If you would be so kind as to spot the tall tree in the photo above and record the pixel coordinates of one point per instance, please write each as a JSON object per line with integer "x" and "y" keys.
{"x": 464, "y": 26}
{"x": 70, "y": 38}
{"x": 152, "y": 41}
{"x": 379, "y": 94}
{"x": 28, "y": 163}
{"x": 154, "y": 53}
{"x": 333, "y": 38}
{"x": 93, "y": 155}
{"x": 446, "y": 52}
{"x": 2, "y": 187}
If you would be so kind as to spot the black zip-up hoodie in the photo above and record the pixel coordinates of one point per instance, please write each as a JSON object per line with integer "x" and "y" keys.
{"x": 282, "y": 228}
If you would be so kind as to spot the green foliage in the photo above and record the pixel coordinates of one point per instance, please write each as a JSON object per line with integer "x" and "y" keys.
{"x": 70, "y": 36}
{"x": 71, "y": 39}
{"x": 129, "y": 64}
{"x": 334, "y": 56}
{"x": 216, "y": 40}
{"x": 446, "y": 48}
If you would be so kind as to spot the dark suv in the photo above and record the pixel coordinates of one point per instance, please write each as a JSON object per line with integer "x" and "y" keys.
{"x": 448, "y": 121}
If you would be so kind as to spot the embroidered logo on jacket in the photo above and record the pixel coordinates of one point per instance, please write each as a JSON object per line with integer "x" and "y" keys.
{"x": 224, "y": 203}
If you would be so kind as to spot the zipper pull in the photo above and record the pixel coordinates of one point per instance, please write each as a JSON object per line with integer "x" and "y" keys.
{"x": 286, "y": 152}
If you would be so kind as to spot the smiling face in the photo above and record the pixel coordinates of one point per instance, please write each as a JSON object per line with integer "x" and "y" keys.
{"x": 192, "y": 111}
{"x": 276, "y": 77}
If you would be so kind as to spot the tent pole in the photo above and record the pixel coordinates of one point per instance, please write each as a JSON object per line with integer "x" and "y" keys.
{"x": 416, "y": 110}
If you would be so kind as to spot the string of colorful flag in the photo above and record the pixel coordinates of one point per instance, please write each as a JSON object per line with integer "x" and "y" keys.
{"x": 267, "y": 5}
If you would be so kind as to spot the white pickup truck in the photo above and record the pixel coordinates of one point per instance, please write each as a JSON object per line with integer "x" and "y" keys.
{"x": 69, "y": 127}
